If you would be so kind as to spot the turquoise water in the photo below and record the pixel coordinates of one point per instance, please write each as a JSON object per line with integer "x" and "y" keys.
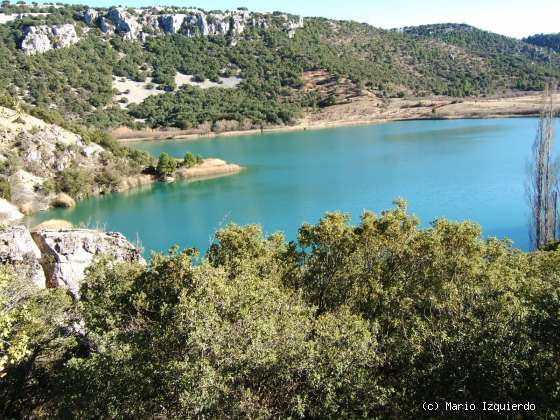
{"x": 463, "y": 169}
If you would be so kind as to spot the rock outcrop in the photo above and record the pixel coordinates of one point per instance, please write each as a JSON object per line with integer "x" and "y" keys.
{"x": 66, "y": 254}
{"x": 18, "y": 250}
{"x": 36, "y": 39}
{"x": 9, "y": 213}
{"x": 37, "y": 153}
{"x": 141, "y": 23}
{"x": 25, "y": 194}
{"x": 125, "y": 23}
{"x": 42, "y": 38}
{"x": 64, "y": 36}
{"x": 90, "y": 15}
{"x": 59, "y": 258}
{"x": 171, "y": 23}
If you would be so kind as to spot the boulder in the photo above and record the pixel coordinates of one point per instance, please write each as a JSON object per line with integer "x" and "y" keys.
{"x": 63, "y": 200}
{"x": 105, "y": 25}
{"x": 18, "y": 250}
{"x": 9, "y": 213}
{"x": 67, "y": 254}
{"x": 53, "y": 224}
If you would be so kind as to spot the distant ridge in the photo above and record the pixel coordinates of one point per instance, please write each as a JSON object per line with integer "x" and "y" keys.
{"x": 215, "y": 71}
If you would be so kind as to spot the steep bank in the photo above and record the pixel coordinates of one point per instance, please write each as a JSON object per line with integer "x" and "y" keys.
{"x": 43, "y": 165}
{"x": 370, "y": 110}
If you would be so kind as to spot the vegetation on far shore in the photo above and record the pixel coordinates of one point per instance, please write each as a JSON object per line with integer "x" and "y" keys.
{"x": 76, "y": 82}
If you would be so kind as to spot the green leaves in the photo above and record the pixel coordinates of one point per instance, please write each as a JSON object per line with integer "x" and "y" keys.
{"x": 349, "y": 321}
{"x": 166, "y": 165}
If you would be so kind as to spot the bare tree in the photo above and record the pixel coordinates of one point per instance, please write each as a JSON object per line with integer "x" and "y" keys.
{"x": 543, "y": 180}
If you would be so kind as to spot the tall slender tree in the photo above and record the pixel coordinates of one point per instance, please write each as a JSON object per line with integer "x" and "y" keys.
{"x": 543, "y": 179}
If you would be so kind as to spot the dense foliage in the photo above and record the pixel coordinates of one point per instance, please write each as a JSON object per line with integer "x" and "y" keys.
{"x": 551, "y": 41}
{"x": 504, "y": 61}
{"x": 365, "y": 321}
{"x": 453, "y": 60}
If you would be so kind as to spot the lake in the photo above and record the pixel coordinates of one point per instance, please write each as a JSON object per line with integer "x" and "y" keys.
{"x": 461, "y": 169}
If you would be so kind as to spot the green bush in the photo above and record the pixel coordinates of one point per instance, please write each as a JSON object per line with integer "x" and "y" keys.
{"x": 75, "y": 182}
{"x": 348, "y": 321}
{"x": 5, "y": 189}
{"x": 191, "y": 160}
{"x": 166, "y": 165}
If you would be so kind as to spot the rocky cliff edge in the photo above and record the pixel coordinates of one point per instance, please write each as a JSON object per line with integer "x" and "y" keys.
{"x": 59, "y": 258}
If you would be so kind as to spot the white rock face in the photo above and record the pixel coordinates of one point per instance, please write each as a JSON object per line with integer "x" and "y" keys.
{"x": 171, "y": 23}
{"x": 105, "y": 26}
{"x": 18, "y": 250}
{"x": 42, "y": 38}
{"x": 36, "y": 39}
{"x": 9, "y": 213}
{"x": 67, "y": 254}
{"x": 24, "y": 192}
{"x": 90, "y": 15}
{"x": 125, "y": 23}
{"x": 59, "y": 258}
{"x": 141, "y": 23}
{"x": 65, "y": 35}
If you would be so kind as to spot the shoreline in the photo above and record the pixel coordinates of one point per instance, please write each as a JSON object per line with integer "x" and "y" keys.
{"x": 315, "y": 127}
{"x": 210, "y": 168}
{"x": 367, "y": 112}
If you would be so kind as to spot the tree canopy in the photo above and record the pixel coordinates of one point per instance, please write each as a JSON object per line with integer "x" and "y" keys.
{"x": 365, "y": 321}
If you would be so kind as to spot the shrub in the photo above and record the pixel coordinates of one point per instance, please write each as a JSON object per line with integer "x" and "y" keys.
{"x": 166, "y": 165}
{"x": 191, "y": 160}
{"x": 75, "y": 182}
{"x": 5, "y": 189}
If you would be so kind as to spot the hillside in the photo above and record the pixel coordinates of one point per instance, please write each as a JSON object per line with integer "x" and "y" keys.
{"x": 45, "y": 165}
{"x": 230, "y": 70}
{"x": 551, "y": 41}
{"x": 348, "y": 321}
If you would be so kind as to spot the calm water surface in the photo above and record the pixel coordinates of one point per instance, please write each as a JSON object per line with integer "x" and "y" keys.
{"x": 464, "y": 169}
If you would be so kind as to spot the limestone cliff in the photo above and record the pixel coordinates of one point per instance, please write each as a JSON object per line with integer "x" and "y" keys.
{"x": 18, "y": 250}
{"x": 33, "y": 153}
{"x": 42, "y": 38}
{"x": 141, "y": 23}
{"x": 66, "y": 254}
{"x": 59, "y": 258}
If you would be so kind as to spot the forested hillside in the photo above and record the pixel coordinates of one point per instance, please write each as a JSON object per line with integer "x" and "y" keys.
{"x": 271, "y": 63}
{"x": 551, "y": 41}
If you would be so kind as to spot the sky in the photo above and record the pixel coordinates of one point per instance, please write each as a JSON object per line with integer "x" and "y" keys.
{"x": 517, "y": 18}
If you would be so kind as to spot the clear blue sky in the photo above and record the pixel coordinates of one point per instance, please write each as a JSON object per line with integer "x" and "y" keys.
{"x": 509, "y": 17}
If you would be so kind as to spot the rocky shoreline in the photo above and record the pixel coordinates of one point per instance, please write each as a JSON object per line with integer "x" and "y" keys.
{"x": 35, "y": 154}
